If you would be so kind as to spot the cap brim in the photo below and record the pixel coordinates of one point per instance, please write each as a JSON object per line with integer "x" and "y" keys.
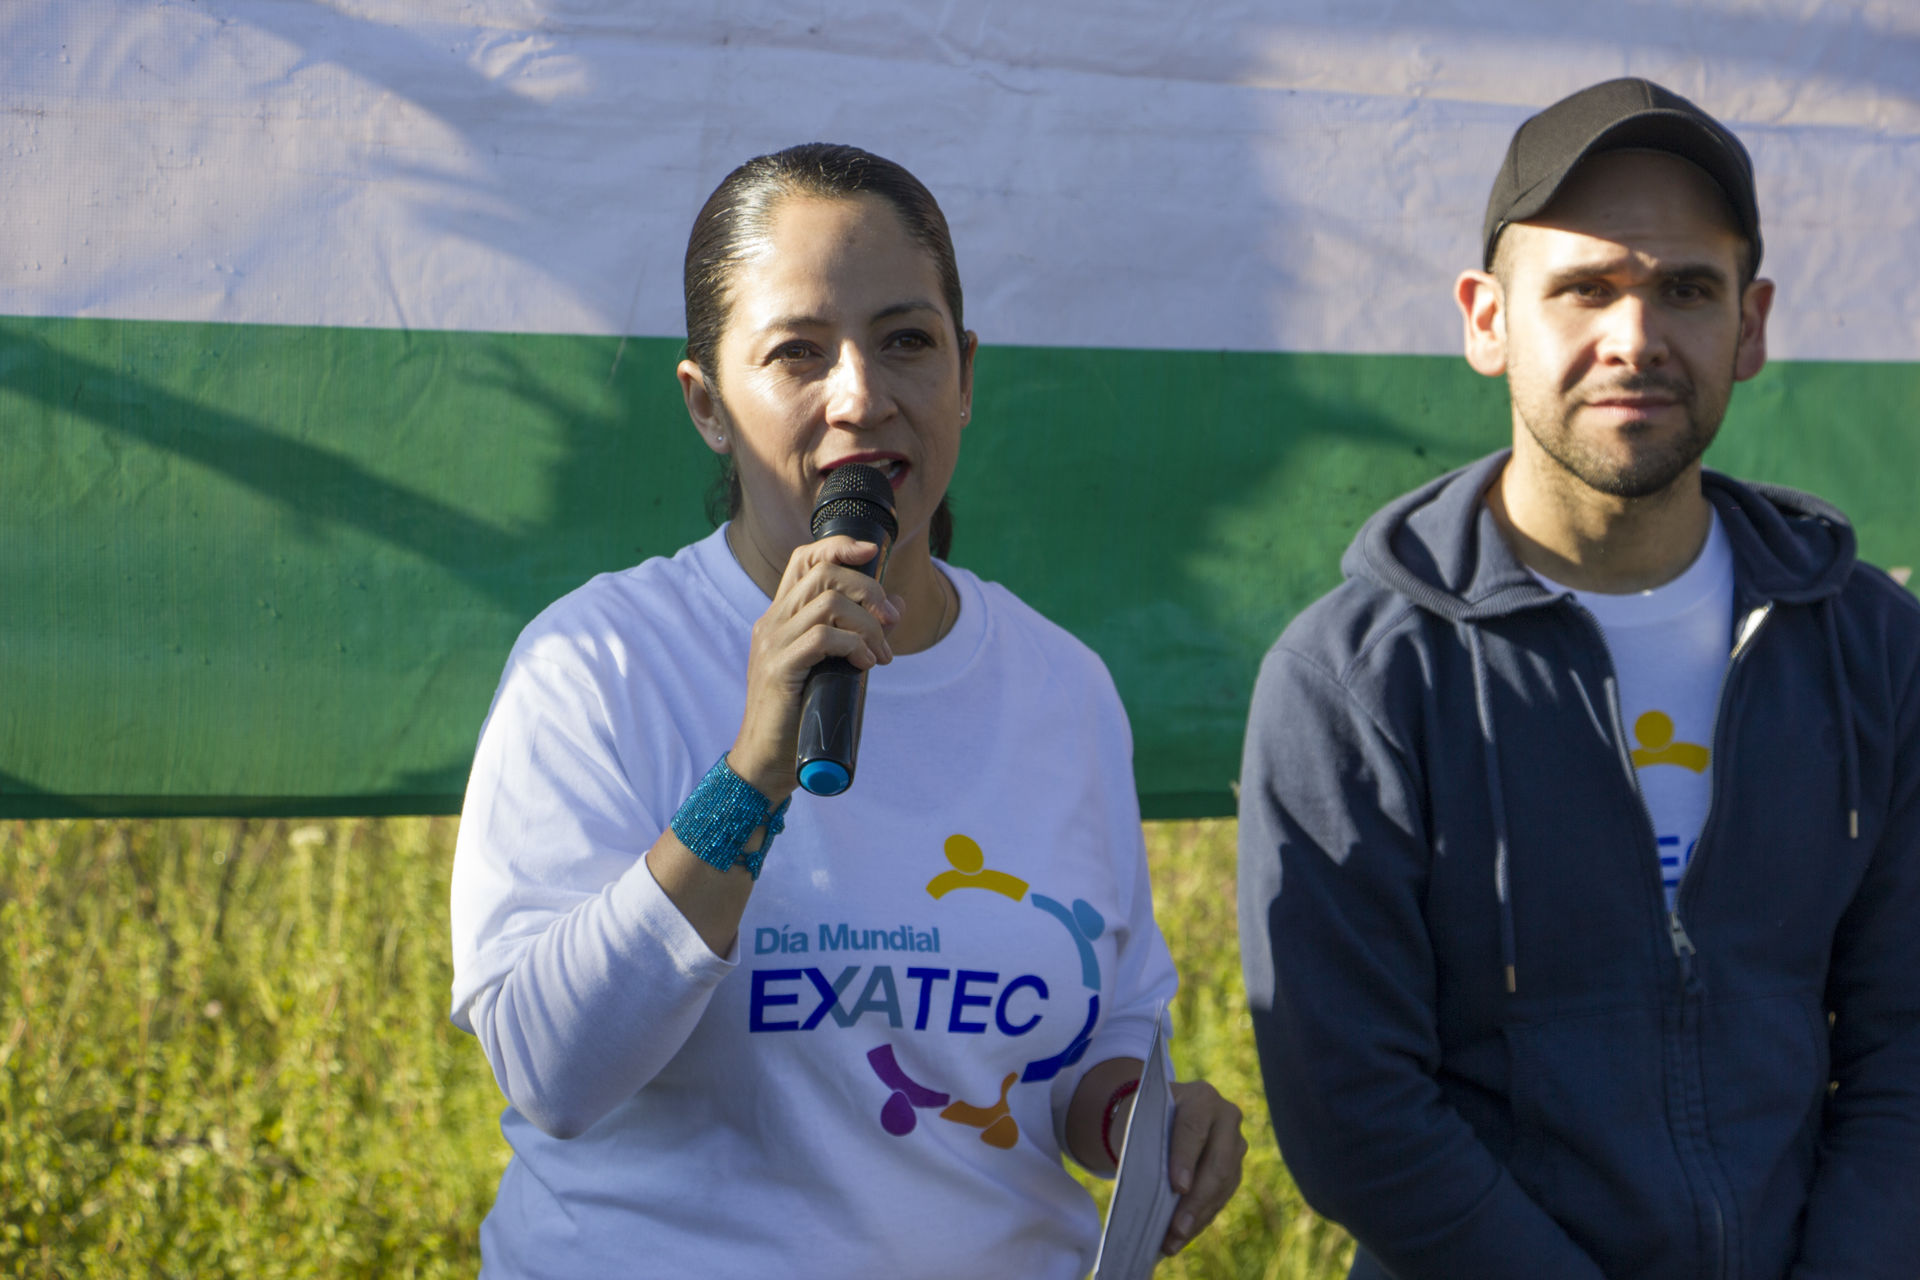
{"x": 1655, "y": 129}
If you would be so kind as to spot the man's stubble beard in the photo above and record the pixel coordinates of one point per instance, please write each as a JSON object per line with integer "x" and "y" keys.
{"x": 1646, "y": 472}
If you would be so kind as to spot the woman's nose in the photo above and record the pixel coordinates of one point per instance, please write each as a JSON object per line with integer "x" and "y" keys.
{"x": 855, "y": 397}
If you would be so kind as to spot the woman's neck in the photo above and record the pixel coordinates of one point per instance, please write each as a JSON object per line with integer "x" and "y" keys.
{"x": 929, "y": 602}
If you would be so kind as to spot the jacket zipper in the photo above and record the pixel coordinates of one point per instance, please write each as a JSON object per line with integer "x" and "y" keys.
{"x": 1751, "y": 623}
{"x": 1683, "y": 949}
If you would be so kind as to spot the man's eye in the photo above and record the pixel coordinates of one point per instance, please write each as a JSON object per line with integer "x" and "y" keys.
{"x": 1588, "y": 291}
{"x": 1687, "y": 293}
{"x": 911, "y": 340}
{"x": 791, "y": 351}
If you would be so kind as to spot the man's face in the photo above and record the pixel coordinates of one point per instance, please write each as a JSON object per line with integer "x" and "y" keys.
{"x": 1621, "y": 322}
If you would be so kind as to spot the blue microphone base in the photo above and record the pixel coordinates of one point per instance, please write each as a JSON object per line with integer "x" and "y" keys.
{"x": 825, "y": 777}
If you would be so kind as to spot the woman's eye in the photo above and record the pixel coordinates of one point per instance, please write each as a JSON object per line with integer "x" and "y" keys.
{"x": 789, "y": 352}
{"x": 911, "y": 340}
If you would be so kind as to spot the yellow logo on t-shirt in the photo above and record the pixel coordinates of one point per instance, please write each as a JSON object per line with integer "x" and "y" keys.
{"x": 970, "y": 871}
{"x": 1654, "y": 731}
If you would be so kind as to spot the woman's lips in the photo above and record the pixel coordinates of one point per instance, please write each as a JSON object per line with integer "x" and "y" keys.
{"x": 893, "y": 468}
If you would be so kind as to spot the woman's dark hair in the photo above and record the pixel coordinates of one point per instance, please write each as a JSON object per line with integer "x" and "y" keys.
{"x": 737, "y": 216}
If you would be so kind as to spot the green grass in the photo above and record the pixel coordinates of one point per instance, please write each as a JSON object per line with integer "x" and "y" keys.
{"x": 224, "y": 1051}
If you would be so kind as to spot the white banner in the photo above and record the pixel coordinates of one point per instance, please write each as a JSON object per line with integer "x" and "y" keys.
{"x": 1211, "y": 175}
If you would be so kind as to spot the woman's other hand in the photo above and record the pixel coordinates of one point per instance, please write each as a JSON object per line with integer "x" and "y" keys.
{"x": 1203, "y": 1160}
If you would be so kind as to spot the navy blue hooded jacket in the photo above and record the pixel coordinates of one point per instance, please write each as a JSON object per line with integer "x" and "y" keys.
{"x": 1489, "y": 1048}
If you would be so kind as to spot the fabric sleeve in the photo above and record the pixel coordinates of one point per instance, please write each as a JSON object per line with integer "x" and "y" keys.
{"x": 1144, "y": 976}
{"x": 1861, "y": 1222}
{"x": 577, "y": 973}
{"x": 1342, "y": 983}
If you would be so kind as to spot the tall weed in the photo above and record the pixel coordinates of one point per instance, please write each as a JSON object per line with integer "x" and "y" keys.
{"x": 224, "y": 1051}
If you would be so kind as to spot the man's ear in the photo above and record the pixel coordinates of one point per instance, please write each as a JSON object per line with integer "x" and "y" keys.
{"x": 703, "y": 407}
{"x": 1755, "y": 304}
{"x": 1483, "y": 312}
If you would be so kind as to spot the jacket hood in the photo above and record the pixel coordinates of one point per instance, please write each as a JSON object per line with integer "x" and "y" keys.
{"x": 1439, "y": 547}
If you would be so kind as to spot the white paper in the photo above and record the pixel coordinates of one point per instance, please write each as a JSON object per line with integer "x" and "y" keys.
{"x": 1143, "y": 1198}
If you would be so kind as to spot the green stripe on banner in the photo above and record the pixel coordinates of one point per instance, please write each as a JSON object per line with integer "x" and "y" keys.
{"x": 259, "y": 569}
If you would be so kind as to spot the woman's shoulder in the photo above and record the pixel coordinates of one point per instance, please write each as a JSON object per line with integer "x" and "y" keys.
{"x": 1017, "y": 624}
{"x": 661, "y": 602}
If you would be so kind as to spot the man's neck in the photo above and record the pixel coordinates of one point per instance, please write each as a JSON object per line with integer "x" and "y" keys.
{"x": 1592, "y": 541}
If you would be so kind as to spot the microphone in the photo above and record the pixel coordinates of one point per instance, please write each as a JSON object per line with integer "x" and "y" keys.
{"x": 855, "y": 500}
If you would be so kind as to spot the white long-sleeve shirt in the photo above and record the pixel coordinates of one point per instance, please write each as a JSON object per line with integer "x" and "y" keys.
{"x": 874, "y": 1081}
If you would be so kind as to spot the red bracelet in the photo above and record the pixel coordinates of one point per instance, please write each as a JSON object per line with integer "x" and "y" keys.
{"x": 1120, "y": 1095}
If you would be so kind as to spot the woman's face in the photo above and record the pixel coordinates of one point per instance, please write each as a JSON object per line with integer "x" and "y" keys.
{"x": 838, "y": 348}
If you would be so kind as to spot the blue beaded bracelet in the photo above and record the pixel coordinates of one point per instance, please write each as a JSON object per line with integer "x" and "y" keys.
{"x": 716, "y": 820}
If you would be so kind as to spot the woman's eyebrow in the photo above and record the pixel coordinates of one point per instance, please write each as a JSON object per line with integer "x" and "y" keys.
{"x": 901, "y": 308}
{"x": 803, "y": 321}
{"x": 792, "y": 322}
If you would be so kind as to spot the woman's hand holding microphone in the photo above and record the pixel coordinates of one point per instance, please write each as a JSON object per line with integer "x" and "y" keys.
{"x": 824, "y": 607}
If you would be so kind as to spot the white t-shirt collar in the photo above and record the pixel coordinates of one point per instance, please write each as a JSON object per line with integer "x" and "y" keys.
{"x": 1708, "y": 573}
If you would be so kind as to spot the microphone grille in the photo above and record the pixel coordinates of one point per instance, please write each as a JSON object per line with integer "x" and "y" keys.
{"x": 855, "y": 491}
{"x": 853, "y": 508}
{"x": 857, "y": 480}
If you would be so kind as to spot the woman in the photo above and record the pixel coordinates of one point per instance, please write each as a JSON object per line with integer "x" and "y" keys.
{"x": 745, "y": 1030}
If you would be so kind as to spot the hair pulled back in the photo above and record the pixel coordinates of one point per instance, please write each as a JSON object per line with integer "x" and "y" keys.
{"x": 737, "y": 218}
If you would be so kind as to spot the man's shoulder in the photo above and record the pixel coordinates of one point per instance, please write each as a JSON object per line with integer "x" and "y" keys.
{"x": 1876, "y": 589}
{"x": 1349, "y": 634}
{"x": 1886, "y": 615}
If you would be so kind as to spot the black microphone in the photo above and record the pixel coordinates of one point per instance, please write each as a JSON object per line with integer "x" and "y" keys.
{"x": 856, "y": 500}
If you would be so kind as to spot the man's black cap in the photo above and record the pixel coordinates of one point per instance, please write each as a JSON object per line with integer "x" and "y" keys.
{"x": 1613, "y": 116}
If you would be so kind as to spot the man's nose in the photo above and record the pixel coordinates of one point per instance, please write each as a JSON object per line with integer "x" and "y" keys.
{"x": 1632, "y": 333}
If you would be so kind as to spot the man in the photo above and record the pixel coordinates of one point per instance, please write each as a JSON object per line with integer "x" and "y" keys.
{"x": 1580, "y": 828}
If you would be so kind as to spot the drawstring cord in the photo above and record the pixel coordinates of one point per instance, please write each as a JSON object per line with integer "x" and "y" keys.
{"x": 1483, "y": 703}
{"x": 1843, "y": 700}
